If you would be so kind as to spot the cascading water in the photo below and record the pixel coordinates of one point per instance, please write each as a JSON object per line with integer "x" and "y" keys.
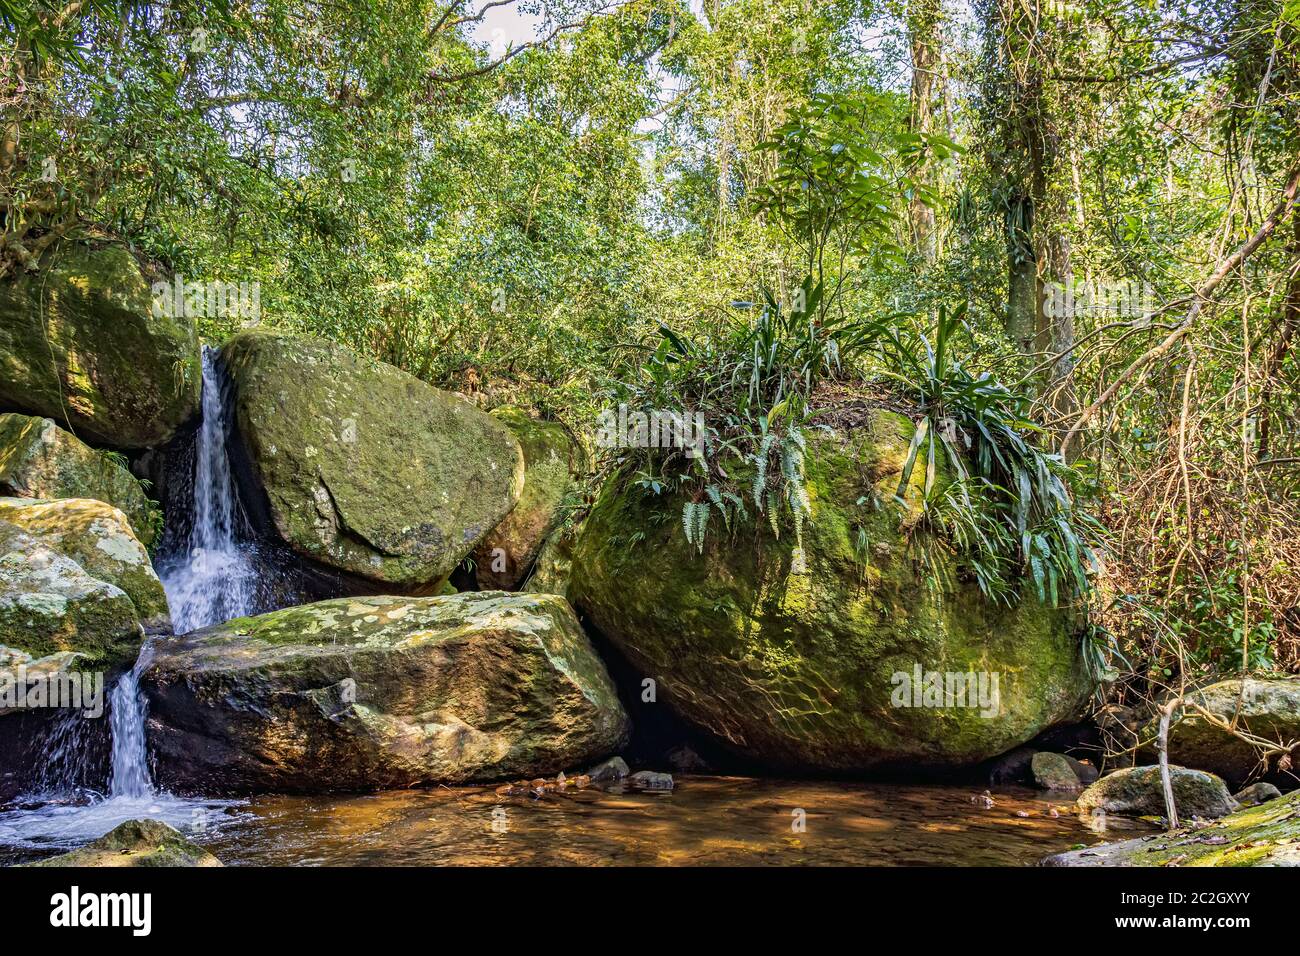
{"x": 127, "y": 709}
{"x": 209, "y": 576}
{"x": 212, "y": 577}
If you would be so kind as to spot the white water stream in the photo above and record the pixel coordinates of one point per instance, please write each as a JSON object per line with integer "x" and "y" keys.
{"x": 212, "y": 580}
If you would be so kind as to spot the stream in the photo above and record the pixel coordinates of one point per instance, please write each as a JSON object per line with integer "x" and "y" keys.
{"x": 211, "y": 571}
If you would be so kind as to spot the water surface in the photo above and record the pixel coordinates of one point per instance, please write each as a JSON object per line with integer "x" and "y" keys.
{"x": 706, "y": 821}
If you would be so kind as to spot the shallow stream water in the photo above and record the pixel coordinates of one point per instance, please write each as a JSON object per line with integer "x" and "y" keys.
{"x": 706, "y": 821}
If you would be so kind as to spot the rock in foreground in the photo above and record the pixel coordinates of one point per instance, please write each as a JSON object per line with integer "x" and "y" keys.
{"x": 81, "y": 342}
{"x": 136, "y": 843}
{"x": 382, "y": 692}
{"x": 1266, "y": 835}
{"x": 364, "y": 467}
{"x": 814, "y": 670}
{"x": 1136, "y": 792}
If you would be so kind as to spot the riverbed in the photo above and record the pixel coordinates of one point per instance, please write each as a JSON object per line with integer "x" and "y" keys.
{"x": 704, "y": 821}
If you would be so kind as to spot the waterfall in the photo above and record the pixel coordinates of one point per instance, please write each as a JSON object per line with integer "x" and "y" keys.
{"x": 209, "y": 574}
{"x": 211, "y": 577}
{"x": 127, "y": 710}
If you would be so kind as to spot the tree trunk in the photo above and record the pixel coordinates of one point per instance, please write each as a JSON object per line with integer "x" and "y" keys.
{"x": 923, "y": 30}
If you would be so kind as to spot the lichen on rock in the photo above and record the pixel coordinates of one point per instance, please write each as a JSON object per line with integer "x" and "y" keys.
{"x": 379, "y": 692}
{"x": 97, "y": 537}
{"x": 38, "y": 459}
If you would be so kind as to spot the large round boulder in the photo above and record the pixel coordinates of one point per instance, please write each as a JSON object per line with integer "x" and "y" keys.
{"x": 503, "y": 559}
{"x": 1268, "y": 708}
{"x": 365, "y": 468}
{"x": 852, "y": 661}
{"x": 1138, "y": 791}
{"x": 381, "y": 692}
{"x": 38, "y": 459}
{"x": 82, "y": 342}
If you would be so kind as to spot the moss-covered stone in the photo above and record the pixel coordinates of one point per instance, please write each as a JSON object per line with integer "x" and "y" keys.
{"x": 1054, "y": 772}
{"x": 505, "y": 556}
{"x": 136, "y": 843}
{"x": 50, "y": 606}
{"x": 1266, "y": 835}
{"x": 381, "y": 692}
{"x": 364, "y": 467}
{"x": 1137, "y": 792}
{"x": 1266, "y": 707}
{"x": 38, "y": 459}
{"x": 98, "y": 537}
{"x": 80, "y": 343}
{"x": 553, "y": 568}
{"x": 799, "y": 670}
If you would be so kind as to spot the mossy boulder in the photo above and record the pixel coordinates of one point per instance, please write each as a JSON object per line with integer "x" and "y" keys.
{"x": 810, "y": 668}
{"x": 553, "y": 568}
{"x": 364, "y": 467}
{"x": 1266, "y": 835}
{"x": 97, "y": 537}
{"x": 505, "y": 556}
{"x": 38, "y": 459}
{"x": 1137, "y": 792}
{"x": 136, "y": 843}
{"x": 51, "y": 609}
{"x": 382, "y": 692}
{"x": 1265, "y": 707}
{"x": 81, "y": 343}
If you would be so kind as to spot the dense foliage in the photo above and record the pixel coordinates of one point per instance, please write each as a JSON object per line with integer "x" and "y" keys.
{"x": 1062, "y": 234}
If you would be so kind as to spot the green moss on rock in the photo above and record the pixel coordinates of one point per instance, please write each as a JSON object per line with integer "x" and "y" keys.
{"x": 365, "y": 468}
{"x": 80, "y": 343}
{"x": 38, "y": 459}
{"x": 798, "y": 669}
{"x": 51, "y": 608}
{"x": 1266, "y": 835}
{"x": 136, "y": 843}
{"x": 1266, "y": 707}
{"x": 1137, "y": 791}
{"x": 97, "y": 537}
{"x": 379, "y": 692}
{"x": 505, "y": 556}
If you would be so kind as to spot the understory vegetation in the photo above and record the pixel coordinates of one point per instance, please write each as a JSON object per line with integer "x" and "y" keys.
{"x": 1061, "y": 237}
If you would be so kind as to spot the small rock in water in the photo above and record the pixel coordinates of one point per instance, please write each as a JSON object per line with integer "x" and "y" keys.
{"x": 615, "y": 768}
{"x": 652, "y": 780}
{"x": 684, "y": 759}
{"x": 1054, "y": 772}
{"x": 984, "y": 800}
{"x": 1256, "y": 794}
